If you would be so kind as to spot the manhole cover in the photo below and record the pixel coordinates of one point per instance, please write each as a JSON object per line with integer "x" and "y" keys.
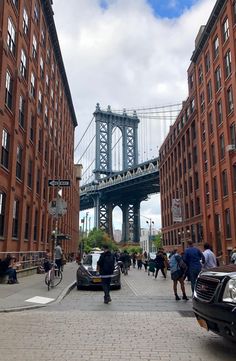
{"x": 186, "y": 313}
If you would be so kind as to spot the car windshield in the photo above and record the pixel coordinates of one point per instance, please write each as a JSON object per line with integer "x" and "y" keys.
{"x": 91, "y": 259}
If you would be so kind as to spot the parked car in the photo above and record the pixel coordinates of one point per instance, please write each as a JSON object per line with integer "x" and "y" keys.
{"x": 214, "y": 301}
{"x": 87, "y": 276}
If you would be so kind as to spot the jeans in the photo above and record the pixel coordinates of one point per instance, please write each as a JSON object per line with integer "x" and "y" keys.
{"x": 11, "y": 273}
{"x": 162, "y": 271}
{"x": 106, "y": 288}
{"x": 193, "y": 274}
{"x": 59, "y": 264}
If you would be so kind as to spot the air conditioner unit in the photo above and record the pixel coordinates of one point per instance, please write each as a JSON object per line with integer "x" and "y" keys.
{"x": 230, "y": 147}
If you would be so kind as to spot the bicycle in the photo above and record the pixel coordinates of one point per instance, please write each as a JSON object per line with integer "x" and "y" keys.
{"x": 53, "y": 277}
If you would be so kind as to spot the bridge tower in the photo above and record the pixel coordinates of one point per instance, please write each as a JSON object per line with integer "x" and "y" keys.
{"x": 106, "y": 121}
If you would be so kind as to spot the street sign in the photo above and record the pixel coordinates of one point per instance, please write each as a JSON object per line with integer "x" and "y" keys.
{"x": 59, "y": 182}
{"x": 57, "y": 207}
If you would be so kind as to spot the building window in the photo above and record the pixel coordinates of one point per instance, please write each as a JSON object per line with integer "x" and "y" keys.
{"x": 196, "y": 181}
{"x": 40, "y": 102}
{"x": 41, "y": 67}
{"x": 190, "y": 184}
{"x": 40, "y": 141}
{"x": 5, "y": 148}
{"x": 202, "y": 102}
{"x": 23, "y": 64}
{"x": 207, "y": 193}
{"x": 190, "y": 80}
{"x": 19, "y": 157}
{"x": 198, "y": 208}
{"x": 25, "y": 22}
{"x": 36, "y": 12}
{"x": 227, "y": 223}
{"x": 209, "y": 91}
{"x": 11, "y": 37}
{"x": 38, "y": 181}
{"x": 228, "y": 62}
{"x": 2, "y": 212}
{"x": 225, "y": 29}
{"x": 46, "y": 114}
{"x": 34, "y": 47}
{"x": 232, "y": 131}
{"x": 230, "y": 101}
{"x": 224, "y": 183}
{"x": 222, "y": 146}
{"x": 15, "y": 222}
{"x": 216, "y": 47}
{"x": 210, "y": 122}
{"x": 234, "y": 11}
{"x": 234, "y": 177}
{"x": 27, "y": 222}
{"x": 15, "y": 2}
{"x": 203, "y": 131}
{"x": 43, "y": 39}
{"x": 200, "y": 74}
{"x": 35, "y": 225}
{"x": 213, "y": 156}
{"x": 32, "y": 85}
{"x": 189, "y": 161}
{"x": 9, "y": 90}
{"x": 21, "y": 111}
{"x": 215, "y": 189}
{"x": 218, "y": 78}
{"x": 30, "y": 173}
{"x": 207, "y": 62}
{"x": 195, "y": 154}
{"x": 32, "y": 125}
{"x": 192, "y": 106}
{"x": 219, "y": 113}
{"x": 205, "y": 161}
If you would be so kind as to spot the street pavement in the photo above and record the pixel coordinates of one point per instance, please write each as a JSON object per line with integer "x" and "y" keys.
{"x": 143, "y": 322}
{"x": 32, "y": 292}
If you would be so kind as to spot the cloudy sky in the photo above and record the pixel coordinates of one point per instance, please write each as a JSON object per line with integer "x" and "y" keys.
{"x": 128, "y": 54}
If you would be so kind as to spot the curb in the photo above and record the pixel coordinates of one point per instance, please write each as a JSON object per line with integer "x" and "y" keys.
{"x": 59, "y": 298}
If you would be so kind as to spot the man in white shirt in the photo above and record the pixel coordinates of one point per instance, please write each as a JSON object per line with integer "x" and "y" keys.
{"x": 210, "y": 258}
{"x": 58, "y": 256}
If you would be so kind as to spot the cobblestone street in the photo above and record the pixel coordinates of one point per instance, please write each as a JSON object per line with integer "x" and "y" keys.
{"x": 143, "y": 322}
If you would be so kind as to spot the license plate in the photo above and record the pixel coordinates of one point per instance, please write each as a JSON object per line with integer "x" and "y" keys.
{"x": 97, "y": 280}
{"x": 202, "y": 323}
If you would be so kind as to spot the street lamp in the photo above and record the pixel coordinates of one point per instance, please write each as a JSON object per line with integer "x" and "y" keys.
{"x": 150, "y": 222}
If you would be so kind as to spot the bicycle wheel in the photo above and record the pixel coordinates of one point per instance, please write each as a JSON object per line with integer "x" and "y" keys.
{"x": 57, "y": 277}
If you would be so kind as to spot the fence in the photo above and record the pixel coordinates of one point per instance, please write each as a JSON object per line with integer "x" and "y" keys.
{"x": 25, "y": 259}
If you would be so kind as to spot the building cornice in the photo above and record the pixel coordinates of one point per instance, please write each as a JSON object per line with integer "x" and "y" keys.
{"x": 48, "y": 13}
{"x": 208, "y": 28}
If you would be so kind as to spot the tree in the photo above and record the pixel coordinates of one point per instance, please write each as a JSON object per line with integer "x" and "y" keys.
{"x": 97, "y": 238}
{"x": 158, "y": 240}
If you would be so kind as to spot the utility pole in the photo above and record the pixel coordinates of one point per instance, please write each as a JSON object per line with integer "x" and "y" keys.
{"x": 86, "y": 224}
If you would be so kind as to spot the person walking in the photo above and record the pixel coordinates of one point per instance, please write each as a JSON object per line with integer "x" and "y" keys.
{"x": 160, "y": 263}
{"x": 105, "y": 266}
{"x": 134, "y": 259}
{"x": 193, "y": 258}
{"x": 233, "y": 256}
{"x": 177, "y": 271}
{"x": 145, "y": 260}
{"x": 125, "y": 258}
{"x": 58, "y": 256}
{"x": 139, "y": 260}
{"x": 210, "y": 258}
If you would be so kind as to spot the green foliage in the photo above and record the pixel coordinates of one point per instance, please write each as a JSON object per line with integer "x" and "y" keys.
{"x": 97, "y": 239}
{"x": 132, "y": 249}
{"x": 157, "y": 240}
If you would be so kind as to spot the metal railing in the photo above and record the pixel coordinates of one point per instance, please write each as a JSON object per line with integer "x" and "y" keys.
{"x": 25, "y": 259}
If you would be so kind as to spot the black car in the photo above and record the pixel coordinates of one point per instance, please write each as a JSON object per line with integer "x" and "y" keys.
{"x": 214, "y": 301}
{"x": 87, "y": 275}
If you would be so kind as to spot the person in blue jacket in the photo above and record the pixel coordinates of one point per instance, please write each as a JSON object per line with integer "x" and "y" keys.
{"x": 194, "y": 259}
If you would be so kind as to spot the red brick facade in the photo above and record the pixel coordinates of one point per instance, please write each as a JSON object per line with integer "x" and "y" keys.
{"x": 198, "y": 157}
{"x": 37, "y": 122}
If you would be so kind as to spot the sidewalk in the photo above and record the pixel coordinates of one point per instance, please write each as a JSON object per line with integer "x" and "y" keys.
{"x": 32, "y": 292}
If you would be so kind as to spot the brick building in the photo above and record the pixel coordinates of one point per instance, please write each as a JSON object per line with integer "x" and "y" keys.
{"x": 198, "y": 157}
{"x": 37, "y": 123}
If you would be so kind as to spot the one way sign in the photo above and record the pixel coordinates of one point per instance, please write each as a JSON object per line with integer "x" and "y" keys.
{"x": 59, "y": 182}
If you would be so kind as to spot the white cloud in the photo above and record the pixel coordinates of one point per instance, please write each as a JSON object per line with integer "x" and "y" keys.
{"x": 126, "y": 57}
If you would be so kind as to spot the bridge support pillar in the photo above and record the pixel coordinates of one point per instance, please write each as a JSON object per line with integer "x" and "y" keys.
{"x": 131, "y": 222}
{"x": 104, "y": 214}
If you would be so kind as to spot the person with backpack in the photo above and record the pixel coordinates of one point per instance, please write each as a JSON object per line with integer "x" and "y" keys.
{"x": 177, "y": 271}
{"x": 105, "y": 266}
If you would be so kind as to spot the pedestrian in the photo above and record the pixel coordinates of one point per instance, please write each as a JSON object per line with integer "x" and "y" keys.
{"x": 160, "y": 263}
{"x": 125, "y": 258}
{"x": 145, "y": 260}
{"x": 134, "y": 259}
{"x": 177, "y": 271}
{"x": 210, "y": 258}
{"x": 193, "y": 258}
{"x": 139, "y": 260}
{"x": 151, "y": 266}
{"x": 8, "y": 268}
{"x": 58, "y": 256}
{"x": 233, "y": 256}
{"x": 105, "y": 267}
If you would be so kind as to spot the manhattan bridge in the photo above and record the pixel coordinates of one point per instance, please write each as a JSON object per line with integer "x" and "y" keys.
{"x": 119, "y": 155}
